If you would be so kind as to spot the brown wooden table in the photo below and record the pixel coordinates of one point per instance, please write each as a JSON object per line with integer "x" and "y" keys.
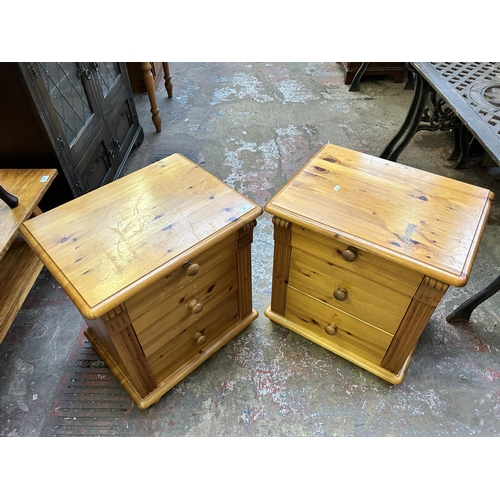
{"x": 19, "y": 266}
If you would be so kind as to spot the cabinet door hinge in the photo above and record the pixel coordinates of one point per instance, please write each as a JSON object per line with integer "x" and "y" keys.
{"x": 32, "y": 72}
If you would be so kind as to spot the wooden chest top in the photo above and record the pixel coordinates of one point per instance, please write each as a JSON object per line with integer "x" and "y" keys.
{"x": 111, "y": 243}
{"x": 29, "y": 187}
{"x": 427, "y": 222}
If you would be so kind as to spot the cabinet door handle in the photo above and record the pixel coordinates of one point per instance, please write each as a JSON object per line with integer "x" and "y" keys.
{"x": 111, "y": 153}
{"x": 340, "y": 294}
{"x": 11, "y": 200}
{"x": 350, "y": 254}
{"x": 331, "y": 329}
{"x": 191, "y": 268}
{"x": 200, "y": 338}
{"x": 195, "y": 306}
{"x": 86, "y": 73}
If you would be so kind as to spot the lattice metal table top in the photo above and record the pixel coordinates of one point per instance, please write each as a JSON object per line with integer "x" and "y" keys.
{"x": 473, "y": 91}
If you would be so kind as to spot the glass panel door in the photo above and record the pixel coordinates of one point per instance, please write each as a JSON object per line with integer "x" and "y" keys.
{"x": 108, "y": 73}
{"x": 64, "y": 84}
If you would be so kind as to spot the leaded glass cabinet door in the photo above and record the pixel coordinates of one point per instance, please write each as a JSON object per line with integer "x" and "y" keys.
{"x": 68, "y": 86}
{"x": 120, "y": 114}
{"x": 89, "y": 114}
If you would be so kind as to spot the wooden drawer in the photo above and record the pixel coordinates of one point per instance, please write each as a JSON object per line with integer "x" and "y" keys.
{"x": 366, "y": 299}
{"x": 370, "y": 266}
{"x": 142, "y": 302}
{"x": 170, "y": 315}
{"x": 185, "y": 347}
{"x": 352, "y": 335}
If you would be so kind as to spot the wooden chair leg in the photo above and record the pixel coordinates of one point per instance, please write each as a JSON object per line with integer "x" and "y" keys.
{"x": 168, "y": 81}
{"x": 150, "y": 87}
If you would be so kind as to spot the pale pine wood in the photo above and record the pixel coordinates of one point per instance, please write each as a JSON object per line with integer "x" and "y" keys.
{"x": 150, "y": 327}
{"x": 113, "y": 362}
{"x": 151, "y": 261}
{"x": 281, "y": 264}
{"x": 373, "y": 267}
{"x": 361, "y": 360}
{"x": 377, "y": 304}
{"x": 122, "y": 335}
{"x": 412, "y": 233}
{"x": 244, "y": 265}
{"x": 26, "y": 186}
{"x": 220, "y": 254}
{"x": 425, "y": 301}
{"x": 425, "y": 222}
{"x": 19, "y": 270}
{"x": 173, "y": 378}
{"x": 357, "y": 336}
{"x": 19, "y": 266}
{"x": 159, "y": 219}
{"x": 181, "y": 348}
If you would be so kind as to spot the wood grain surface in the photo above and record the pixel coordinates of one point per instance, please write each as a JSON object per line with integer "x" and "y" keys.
{"x": 429, "y": 223}
{"x": 108, "y": 245}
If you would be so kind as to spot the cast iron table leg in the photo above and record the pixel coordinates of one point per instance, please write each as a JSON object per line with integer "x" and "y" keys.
{"x": 464, "y": 311}
{"x": 412, "y": 121}
{"x": 357, "y": 77}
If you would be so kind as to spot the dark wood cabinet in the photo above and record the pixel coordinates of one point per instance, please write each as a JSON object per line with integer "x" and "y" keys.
{"x": 77, "y": 117}
{"x": 136, "y": 75}
{"x": 395, "y": 70}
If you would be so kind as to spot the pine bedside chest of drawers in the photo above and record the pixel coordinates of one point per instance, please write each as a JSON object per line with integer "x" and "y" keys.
{"x": 364, "y": 250}
{"x": 158, "y": 263}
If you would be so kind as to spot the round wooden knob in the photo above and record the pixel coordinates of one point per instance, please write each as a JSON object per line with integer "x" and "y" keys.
{"x": 191, "y": 268}
{"x": 340, "y": 294}
{"x": 195, "y": 306}
{"x": 350, "y": 254}
{"x": 331, "y": 329}
{"x": 200, "y": 338}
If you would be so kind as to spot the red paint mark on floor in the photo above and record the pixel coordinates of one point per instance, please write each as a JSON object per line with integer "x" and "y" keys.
{"x": 491, "y": 374}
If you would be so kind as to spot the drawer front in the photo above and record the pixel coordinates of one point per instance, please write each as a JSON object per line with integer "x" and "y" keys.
{"x": 182, "y": 276}
{"x": 194, "y": 340}
{"x": 170, "y": 315}
{"x": 352, "y": 293}
{"x": 349, "y": 333}
{"x": 370, "y": 266}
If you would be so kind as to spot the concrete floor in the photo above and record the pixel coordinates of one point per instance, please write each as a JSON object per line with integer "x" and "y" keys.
{"x": 253, "y": 125}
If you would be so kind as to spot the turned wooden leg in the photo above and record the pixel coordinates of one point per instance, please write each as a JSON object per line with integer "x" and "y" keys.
{"x": 168, "y": 81}
{"x": 150, "y": 87}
